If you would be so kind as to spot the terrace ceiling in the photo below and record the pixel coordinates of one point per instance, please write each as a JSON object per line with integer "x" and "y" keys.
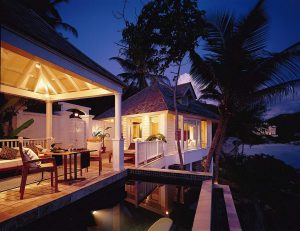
{"x": 32, "y": 77}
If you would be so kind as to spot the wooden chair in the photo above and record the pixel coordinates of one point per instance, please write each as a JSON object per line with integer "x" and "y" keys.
{"x": 47, "y": 165}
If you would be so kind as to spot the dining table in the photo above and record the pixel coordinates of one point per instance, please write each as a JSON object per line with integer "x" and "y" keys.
{"x": 64, "y": 154}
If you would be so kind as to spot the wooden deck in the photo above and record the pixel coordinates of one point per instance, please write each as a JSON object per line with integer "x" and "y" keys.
{"x": 41, "y": 199}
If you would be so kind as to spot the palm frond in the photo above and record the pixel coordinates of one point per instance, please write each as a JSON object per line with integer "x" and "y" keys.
{"x": 67, "y": 27}
{"x": 126, "y": 64}
{"x": 218, "y": 29}
{"x": 277, "y": 67}
{"x": 278, "y": 91}
{"x": 201, "y": 72}
{"x": 251, "y": 30}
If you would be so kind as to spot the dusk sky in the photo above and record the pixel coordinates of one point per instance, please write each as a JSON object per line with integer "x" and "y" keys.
{"x": 99, "y": 29}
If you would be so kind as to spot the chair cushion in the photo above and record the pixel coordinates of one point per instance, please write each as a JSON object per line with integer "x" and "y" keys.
{"x": 47, "y": 165}
{"x": 8, "y": 153}
{"x": 33, "y": 148}
{"x": 6, "y": 164}
{"x": 31, "y": 155}
{"x": 40, "y": 147}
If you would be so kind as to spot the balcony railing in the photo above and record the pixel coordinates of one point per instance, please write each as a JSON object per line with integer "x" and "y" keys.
{"x": 12, "y": 143}
{"x": 147, "y": 151}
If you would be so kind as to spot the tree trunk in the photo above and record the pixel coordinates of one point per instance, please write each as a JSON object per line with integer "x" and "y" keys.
{"x": 176, "y": 117}
{"x": 219, "y": 148}
{"x": 213, "y": 146}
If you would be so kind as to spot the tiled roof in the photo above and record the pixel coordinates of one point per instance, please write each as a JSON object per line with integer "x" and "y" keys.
{"x": 26, "y": 22}
{"x": 158, "y": 97}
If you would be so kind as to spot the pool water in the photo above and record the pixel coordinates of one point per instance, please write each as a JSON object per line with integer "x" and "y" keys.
{"x": 126, "y": 205}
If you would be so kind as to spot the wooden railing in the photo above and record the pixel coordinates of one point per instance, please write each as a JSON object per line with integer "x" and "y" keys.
{"x": 148, "y": 150}
{"x": 12, "y": 143}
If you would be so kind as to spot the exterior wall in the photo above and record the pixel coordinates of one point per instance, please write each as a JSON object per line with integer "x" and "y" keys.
{"x": 170, "y": 135}
{"x": 145, "y": 126}
{"x": 66, "y": 131}
{"x": 125, "y": 131}
{"x": 167, "y": 128}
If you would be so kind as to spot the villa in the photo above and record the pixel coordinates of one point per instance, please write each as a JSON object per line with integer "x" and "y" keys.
{"x": 39, "y": 64}
{"x": 151, "y": 111}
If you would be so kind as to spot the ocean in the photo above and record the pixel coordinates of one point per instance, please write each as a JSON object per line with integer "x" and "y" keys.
{"x": 288, "y": 153}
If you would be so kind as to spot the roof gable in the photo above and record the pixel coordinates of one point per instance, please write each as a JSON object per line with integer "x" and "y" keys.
{"x": 147, "y": 100}
{"x": 186, "y": 89}
{"x": 158, "y": 97}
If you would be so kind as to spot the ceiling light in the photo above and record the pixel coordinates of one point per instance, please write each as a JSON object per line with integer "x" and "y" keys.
{"x": 38, "y": 65}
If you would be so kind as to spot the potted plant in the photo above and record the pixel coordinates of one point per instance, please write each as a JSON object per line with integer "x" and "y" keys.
{"x": 102, "y": 135}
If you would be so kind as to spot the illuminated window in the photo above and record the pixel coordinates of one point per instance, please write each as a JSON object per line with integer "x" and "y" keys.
{"x": 154, "y": 125}
{"x": 203, "y": 134}
{"x": 136, "y": 128}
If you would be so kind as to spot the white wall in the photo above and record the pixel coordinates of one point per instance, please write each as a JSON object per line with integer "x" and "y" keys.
{"x": 170, "y": 136}
{"x": 66, "y": 131}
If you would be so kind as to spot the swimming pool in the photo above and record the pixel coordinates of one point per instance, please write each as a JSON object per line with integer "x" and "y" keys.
{"x": 126, "y": 205}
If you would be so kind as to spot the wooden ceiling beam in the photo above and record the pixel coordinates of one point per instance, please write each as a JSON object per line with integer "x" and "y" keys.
{"x": 22, "y": 82}
{"x": 48, "y": 84}
{"x": 56, "y": 79}
{"x": 71, "y": 80}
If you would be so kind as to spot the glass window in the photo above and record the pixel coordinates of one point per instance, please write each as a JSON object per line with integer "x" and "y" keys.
{"x": 192, "y": 135}
{"x": 203, "y": 134}
{"x": 136, "y": 128}
{"x": 154, "y": 125}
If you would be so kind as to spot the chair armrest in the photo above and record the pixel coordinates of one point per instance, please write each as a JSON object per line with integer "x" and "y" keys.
{"x": 44, "y": 160}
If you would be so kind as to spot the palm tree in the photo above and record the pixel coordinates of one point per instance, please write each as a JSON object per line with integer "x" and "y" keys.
{"x": 238, "y": 72}
{"x": 138, "y": 73}
{"x": 47, "y": 9}
{"x": 139, "y": 59}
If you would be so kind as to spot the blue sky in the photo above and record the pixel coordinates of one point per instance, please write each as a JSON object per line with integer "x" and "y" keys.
{"x": 99, "y": 29}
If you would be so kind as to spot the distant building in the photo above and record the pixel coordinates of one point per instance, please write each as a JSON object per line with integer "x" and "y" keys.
{"x": 268, "y": 130}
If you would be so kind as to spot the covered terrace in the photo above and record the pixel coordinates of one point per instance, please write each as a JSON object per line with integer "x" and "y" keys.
{"x": 38, "y": 63}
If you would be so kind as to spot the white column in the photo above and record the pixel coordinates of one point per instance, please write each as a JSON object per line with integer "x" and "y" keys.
{"x": 182, "y": 133}
{"x": 118, "y": 142}
{"x": 48, "y": 122}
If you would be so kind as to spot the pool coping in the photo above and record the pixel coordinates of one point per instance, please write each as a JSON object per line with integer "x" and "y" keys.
{"x": 233, "y": 219}
{"x": 202, "y": 219}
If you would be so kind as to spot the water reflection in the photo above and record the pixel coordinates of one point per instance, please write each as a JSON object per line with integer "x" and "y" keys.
{"x": 145, "y": 203}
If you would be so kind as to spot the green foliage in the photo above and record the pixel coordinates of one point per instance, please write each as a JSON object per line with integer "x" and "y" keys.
{"x": 25, "y": 125}
{"x": 9, "y": 108}
{"x": 159, "y": 38}
{"x": 157, "y": 136}
{"x": 265, "y": 190}
{"x": 245, "y": 124}
{"x": 237, "y": 72}
{"x": 174, "y": 27}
